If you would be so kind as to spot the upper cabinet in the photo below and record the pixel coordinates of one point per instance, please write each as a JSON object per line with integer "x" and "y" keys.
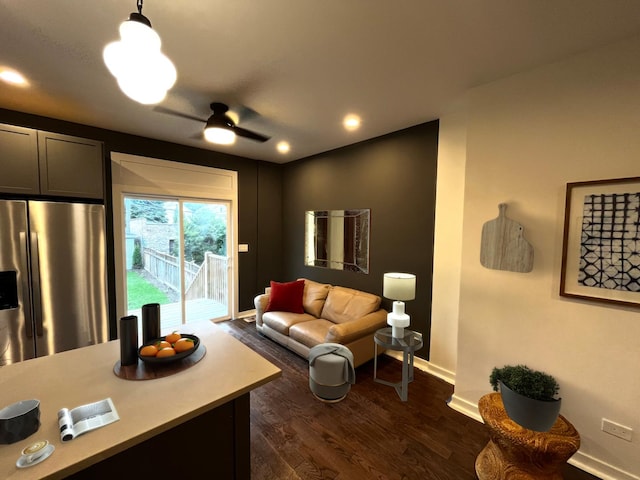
{"x": 34, "y": 162}
{"x": 19, "y": 160}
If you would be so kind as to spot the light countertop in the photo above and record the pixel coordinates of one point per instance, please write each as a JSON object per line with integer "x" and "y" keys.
{"x": 146, "y": 407}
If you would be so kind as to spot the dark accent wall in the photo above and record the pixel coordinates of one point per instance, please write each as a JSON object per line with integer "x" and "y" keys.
{"x": 394, "y": 176}
{"x": 253, "y": 177}
{"x": 270, "y": 251}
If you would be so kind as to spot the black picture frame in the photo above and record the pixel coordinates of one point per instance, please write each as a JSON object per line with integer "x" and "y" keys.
{"x": 601, "y": 241}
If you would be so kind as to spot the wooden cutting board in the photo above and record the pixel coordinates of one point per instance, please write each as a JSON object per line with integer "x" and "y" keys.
{"x": 503, "y": 246}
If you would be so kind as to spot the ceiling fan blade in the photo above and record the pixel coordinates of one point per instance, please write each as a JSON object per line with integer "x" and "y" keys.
{"x": 242, "y": 132}
{"x": 177, "y": 114}
{"x": 245, "y": 113}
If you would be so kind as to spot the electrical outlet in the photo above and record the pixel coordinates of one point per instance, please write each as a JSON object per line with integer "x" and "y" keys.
{"x": 617, "y": 430}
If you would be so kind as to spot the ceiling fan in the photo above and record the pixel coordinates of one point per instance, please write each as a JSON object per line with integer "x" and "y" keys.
{"x": 219, "y": 127}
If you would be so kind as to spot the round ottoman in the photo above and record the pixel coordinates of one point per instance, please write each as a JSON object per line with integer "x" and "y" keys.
{"x": 331, "y": 371}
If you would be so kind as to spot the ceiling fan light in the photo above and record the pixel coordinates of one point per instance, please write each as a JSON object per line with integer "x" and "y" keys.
{"x": 219, "y": 135}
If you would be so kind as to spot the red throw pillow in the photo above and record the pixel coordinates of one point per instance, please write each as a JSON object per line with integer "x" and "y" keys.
{"x": 286, "y": 297}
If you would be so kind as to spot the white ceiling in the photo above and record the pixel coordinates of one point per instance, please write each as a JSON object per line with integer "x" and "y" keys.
{"x": 300, "y": 64}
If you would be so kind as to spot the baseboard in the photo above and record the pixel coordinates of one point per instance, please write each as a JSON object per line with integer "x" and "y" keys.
{"x": 426, "y": 366}
{"x": 444, "y": 374}
{"x": 245, "y": 314}
{"x": 465, "y": 407}
{"x": 579, "y": 460}
{"x": 599, "y": 469}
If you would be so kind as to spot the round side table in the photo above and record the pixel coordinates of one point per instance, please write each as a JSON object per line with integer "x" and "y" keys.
{"x": 408, "y": 344}
{"x": 517, "y": 453}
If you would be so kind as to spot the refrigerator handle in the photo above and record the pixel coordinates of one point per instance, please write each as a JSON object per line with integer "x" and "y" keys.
{"x": 26, "y": 300}
{"x": 37, "y": 296}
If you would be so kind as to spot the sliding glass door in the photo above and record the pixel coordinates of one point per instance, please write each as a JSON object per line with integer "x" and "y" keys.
{"x": 177, "y": 255}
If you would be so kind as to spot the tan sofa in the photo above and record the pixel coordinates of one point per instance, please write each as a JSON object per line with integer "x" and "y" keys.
{"x": 332, "y": 314}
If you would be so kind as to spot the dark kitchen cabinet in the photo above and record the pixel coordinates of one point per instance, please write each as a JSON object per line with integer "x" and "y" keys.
{"x": 35, "y": 162}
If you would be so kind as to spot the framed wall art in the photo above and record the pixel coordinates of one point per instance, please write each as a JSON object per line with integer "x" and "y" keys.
{"x": 601, "y": 245}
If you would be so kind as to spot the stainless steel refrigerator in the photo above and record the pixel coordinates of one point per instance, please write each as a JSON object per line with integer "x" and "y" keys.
{"x": 53, "y": 278}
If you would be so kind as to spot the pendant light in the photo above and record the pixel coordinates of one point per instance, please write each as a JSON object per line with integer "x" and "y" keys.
{"x": 143, "y": 72}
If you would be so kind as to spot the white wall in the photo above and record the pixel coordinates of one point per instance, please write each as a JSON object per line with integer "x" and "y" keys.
{"x": 452, "y": 145}
{"x": 527, "y": 136}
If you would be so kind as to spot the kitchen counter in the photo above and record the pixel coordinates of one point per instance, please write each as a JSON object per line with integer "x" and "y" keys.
{"x": 184, "y": 419}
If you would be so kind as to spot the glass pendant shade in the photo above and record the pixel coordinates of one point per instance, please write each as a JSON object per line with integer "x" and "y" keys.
{"x": 144, "y": 73}
{"x": 138, "y": 34}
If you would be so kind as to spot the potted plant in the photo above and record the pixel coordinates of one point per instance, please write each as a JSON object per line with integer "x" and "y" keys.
{"x": 529, "y": 396}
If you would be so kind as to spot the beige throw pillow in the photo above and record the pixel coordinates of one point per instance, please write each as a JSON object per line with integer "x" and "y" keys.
{"x": 314, "y": 296}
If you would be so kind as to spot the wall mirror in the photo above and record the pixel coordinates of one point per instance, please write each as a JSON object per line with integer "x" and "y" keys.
{"x": 337, "y": 239}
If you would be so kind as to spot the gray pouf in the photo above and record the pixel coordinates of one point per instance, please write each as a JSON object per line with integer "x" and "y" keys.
{"x": 331, "y": 371}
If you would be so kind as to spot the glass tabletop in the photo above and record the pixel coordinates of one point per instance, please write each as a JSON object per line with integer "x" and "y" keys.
{"x": 409, "y": 342}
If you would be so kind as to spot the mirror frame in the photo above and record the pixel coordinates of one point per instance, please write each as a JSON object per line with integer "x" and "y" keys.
{"x": 338, "y": 239}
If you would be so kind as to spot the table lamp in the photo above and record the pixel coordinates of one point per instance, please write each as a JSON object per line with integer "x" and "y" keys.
{"x": 399, "y": 287}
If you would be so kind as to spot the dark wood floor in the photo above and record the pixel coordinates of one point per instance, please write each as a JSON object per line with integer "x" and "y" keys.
{"x": 369, "y": 435}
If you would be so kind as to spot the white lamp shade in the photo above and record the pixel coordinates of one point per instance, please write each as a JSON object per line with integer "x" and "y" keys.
{"x": 399, "y": 286}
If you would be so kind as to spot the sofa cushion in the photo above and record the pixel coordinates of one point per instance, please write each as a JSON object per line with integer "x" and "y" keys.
{"x": 281, "y": 322}
{"x": 286, "y": 297}
{"x": 310, "y": 333}
{"x": 314, "y": 296}
{"x": 345, "y": 304}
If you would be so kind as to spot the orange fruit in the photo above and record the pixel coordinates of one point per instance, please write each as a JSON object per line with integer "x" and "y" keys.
{"x": 173, "y": 337}
{"x": 148, "y": 351}
{"x": 162, "y": 344}
{"x": 165, "y": 352}
{"x": 183, "y": 345}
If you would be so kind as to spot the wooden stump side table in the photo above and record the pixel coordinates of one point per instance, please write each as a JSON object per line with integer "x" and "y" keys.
{"x": 517, "y": 453}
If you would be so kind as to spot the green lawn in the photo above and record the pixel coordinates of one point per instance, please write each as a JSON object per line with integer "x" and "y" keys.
{"x": 141, "y": 292}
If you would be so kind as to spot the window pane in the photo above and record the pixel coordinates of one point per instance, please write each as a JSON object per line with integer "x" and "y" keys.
{"x": 206, "y": 261}
{"x": 152, "y": 249}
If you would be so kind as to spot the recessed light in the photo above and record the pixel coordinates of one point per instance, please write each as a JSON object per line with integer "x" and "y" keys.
{"x": 351, "y": 122}
{"x": 283, "y": 147}
{"x": 13, "y": 77}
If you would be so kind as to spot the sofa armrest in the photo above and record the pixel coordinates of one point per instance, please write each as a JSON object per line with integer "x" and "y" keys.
{"x": 260, "y": 302}
{"x": 350, "y": 331}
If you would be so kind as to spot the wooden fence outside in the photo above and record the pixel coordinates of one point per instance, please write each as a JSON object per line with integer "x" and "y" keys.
{"x": 209, "y": 280}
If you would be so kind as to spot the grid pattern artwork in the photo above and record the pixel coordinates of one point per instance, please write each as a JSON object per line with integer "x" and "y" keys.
{"x": 610, "y": 242}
